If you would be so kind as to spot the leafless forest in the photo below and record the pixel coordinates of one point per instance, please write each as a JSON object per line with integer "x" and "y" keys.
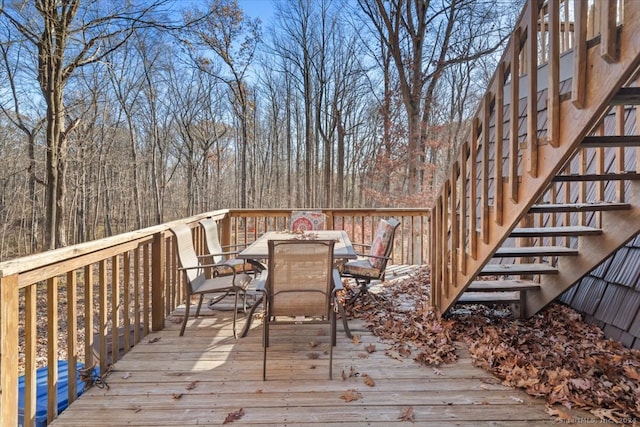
{"x": 121, "y": 115}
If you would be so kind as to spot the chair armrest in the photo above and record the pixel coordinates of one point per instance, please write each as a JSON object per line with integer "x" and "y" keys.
{"x": 362, "y": 245}
{"x": 203, "y": 266}
{"x": 337, "y": 281}
{"x": 378, "y": 257}
{"x": 219, "y": 253}
{"x": 261, "y": 281}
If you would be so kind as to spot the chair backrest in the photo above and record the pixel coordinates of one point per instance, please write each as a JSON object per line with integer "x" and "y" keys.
{"x": 211, "y": 239}
{"x": 299, "y": 282}
{"x": 307, "y": 221}
{"x": 187, "y": 255}
{"x": 382, "y": 244}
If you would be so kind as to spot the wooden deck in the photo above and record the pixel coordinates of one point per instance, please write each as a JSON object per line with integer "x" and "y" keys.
{"x": 202, "y": 377}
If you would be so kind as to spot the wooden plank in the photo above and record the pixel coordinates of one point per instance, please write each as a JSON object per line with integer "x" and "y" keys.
{"x": 579, "y": 81}
{"x": 578, "y": 207}
{"x": 489, "y": 297}
{"x": 532, "y": 87}
{"x": 578, "y": 230}
{"x": 623, "y": 176}
{"x": 611, "y": 141}
{"x": 52, "y": 348}
{"x": 9, "y": 350}
{"x": 502, "y": 285}
{"x": 608, "y": 31}
{"x": 553, "y": 93}
{"x": 199, "y": 379}
{"x": 514, "y": 115}
{"x": 627, "y": 96}
{"x": 532, "y": 251}
{"x": 517, "y": 269}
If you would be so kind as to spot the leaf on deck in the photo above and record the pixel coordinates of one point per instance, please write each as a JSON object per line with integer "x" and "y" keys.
{"x": 234, "y": 416}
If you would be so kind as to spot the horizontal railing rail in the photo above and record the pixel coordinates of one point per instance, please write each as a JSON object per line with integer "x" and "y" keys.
{"x": 101, "y": 298}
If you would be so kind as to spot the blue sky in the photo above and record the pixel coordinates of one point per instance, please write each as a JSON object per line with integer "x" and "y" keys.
{"x": 262, "y": 9}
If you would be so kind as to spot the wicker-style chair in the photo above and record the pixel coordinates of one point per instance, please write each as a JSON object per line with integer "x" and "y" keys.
{"x": 307, "y": 221}
{"x": 372, "y": 264}
{"x": 223, "y": 281}
{"x": 301, "y": 287}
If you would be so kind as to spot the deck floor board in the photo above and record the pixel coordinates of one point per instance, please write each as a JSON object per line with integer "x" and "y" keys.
{"x": 198, "y": 379}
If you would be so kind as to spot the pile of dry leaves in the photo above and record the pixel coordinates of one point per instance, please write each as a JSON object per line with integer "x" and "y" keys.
{"x": 554, "y": 355}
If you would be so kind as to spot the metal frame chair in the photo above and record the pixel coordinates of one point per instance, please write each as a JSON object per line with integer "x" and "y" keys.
{"x": 224, "y": 281}
{"x": 371, "y": 266}
{"x": 301, "y": 284}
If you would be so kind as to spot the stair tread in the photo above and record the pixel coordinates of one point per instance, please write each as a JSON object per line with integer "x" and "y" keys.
{"x": 611, "y": 141}
{"x": 502, "y": 285}
{"x": 484, "y": 297}
{"x": 575, "y": 230}
{"x": 511, "y": 269}
{"x": 535, "y": 251}
{"x": 578, "y": 207}
{"x": 622, "y": 176}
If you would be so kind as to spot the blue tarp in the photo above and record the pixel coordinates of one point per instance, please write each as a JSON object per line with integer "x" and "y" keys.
{"x": 41, "y": 393}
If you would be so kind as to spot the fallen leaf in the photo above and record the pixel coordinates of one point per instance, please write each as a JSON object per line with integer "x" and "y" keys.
{"x": 192, "y": 385}
{"x": 407, "y": 414}
{"x": 355, "y": 339}
{"x": 313, "y": 344}
{"x": 313, "y": 355}
{"x": 351, "y": 395}
{"x": 370, "y": 348}
{"x": 126, "y": 375}
{"x": 438, "y": 371}
{"x": 560, "y": 413}
{"x": 517, "y": 399}
{"x": 234, "y": 416}
{"x": 153, "y": 340}
{"x": 369, "y": 381}
{"x": 177, "y": 395}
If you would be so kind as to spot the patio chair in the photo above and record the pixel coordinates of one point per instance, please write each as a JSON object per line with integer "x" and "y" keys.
{"x": 307, "y": 221}
{"x": 301, "y": 287}
{"x": 224, "y": 280}
{"x": 371, "y": 265}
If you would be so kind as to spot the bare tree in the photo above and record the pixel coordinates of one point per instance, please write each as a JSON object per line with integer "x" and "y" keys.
{"x": 424, "y": 38}
{"x": 67, "y": 35}
{"x": 233, "y": 38}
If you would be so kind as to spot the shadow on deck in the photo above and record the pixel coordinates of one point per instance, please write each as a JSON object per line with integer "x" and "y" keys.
{"x": 201, "y": 378}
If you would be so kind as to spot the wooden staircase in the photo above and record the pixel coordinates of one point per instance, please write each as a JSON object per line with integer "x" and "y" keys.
{"x": 541, "y": 194}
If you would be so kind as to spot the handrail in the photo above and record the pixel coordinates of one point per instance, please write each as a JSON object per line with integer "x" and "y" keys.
{"x": 120, "y": 288}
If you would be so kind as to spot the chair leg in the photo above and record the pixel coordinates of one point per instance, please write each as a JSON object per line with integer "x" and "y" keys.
{"x": 343, "y": 316}
{"x": 187, "y": 305}
{"x": 333, "y": 342}
{"x": 265, "y": 341}
{"x": 199, "y": 305}
{"x": 235, "y": 315}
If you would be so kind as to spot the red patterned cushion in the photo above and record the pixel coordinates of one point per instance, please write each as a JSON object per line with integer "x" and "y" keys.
{"x": 307, "y": 221}
{"x": 360, "y": 267}
{"x": 380, "y": 242}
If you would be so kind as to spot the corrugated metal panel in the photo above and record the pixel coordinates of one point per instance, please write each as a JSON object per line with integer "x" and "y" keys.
{"x": 634, "y": 329}
{"x": 621, "y": 306}
{"x": 601, "y": 270}
{"x": 588, "y": 295}
{"x": 614, "y": 298}
{"x": 616, "y": 265}
{"x": 628, "y": 273}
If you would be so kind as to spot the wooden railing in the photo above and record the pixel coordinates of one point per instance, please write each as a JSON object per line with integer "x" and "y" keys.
{"x": 103, "y": 297}
{"x": 562, "y": 67}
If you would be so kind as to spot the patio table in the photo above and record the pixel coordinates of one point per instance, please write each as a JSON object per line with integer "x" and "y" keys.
{"x": 259, "y": 250}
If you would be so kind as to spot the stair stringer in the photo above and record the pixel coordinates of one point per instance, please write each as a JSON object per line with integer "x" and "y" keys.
{"x": 618, "y": 228}
{"x": 604, "y": 80}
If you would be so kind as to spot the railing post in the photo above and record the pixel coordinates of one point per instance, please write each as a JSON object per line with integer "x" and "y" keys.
{"x": 9, "y": 350}
{"x": 157, "y": 282}
{"x": 225, "y": 230}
